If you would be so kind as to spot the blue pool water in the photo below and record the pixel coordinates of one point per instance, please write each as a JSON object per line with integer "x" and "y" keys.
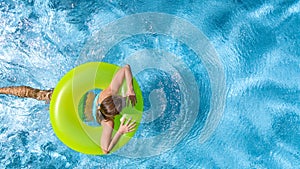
{"x": 220, "y": 80}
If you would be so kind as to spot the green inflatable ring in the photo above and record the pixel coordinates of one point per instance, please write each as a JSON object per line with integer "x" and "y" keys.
{"x": 64, "y": 116}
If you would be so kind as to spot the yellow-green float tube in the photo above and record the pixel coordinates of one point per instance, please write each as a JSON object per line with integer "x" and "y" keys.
{"x": 64, "y": 115}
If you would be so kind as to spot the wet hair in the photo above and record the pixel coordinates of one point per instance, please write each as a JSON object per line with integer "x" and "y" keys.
{"x": 110, "y": 107}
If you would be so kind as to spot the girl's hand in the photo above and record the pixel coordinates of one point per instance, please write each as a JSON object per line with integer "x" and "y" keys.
{"x": 126, "y": 127}
{"x": 131, "y": 98}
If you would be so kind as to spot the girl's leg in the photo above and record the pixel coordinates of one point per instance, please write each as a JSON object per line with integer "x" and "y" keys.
{"x": 27, "y": 92}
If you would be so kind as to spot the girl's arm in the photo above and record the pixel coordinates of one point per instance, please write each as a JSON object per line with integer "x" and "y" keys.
{"x": 116, "y": 83}
{"x": 107, "y": 144}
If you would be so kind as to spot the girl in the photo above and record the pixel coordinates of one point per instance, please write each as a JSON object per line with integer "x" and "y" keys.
{"x": 109, "y": 104}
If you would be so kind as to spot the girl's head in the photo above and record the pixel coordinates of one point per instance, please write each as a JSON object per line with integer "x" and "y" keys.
{"x": 110, "y": 107}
